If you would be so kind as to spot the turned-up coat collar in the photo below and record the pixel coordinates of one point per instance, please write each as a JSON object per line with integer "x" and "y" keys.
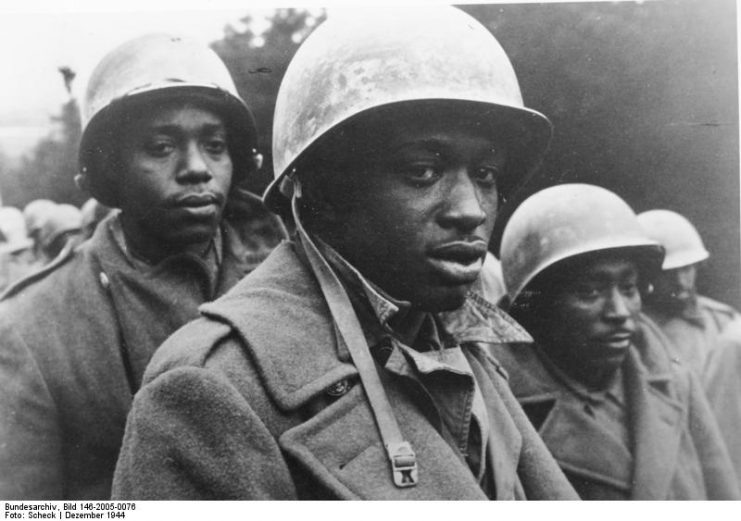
{"x": 656, "y": 413}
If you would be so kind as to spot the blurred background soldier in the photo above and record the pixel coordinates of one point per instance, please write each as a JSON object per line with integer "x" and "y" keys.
{"x": 61, "y": 228}
{"x": 705, "y": 334}
{"x": 166, "y": 138}
{"x": 352, "y": 363}
{"x": 622, "y": 420}
{"x": 16, "y": 249}
{"x": 92, "y": 213}
{"x": 34, "y": 214}
{"x": 692, "y": 322}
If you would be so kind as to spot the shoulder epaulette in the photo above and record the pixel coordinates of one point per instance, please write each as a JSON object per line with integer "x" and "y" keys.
{"x": 64, "y": 256}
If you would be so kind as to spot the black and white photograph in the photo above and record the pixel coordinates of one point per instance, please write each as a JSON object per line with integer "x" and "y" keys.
{"x": 382, "y": 251}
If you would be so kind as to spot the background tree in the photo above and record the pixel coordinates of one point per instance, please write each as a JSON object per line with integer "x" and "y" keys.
{"x": 258, "y": 60}
{"x": 49, "y": 170}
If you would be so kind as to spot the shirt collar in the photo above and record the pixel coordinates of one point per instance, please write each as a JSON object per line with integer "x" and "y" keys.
{"x": 477, "y": 320}
{"x": 383, "y": 305}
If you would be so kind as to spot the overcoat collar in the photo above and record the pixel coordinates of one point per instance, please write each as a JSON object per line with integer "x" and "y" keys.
{"x": 656, "y": 424}
{"x": 282, "y": 290}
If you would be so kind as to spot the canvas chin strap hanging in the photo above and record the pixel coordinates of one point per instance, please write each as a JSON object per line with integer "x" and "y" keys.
{"x": 400, "y": 453}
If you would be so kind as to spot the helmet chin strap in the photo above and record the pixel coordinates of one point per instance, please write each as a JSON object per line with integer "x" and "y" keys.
{"x": 400, "y": 453}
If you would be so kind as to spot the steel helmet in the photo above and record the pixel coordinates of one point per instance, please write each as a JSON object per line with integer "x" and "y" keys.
{"x": 13, "y": 230}
{"x": 146, "y": 68}
{"x": 676, "y": 234}
{"x": 359, "y": 61}
{"x": 564, "y": 221}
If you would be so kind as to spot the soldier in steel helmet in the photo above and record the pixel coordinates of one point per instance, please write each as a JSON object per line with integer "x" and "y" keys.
{"x": 34, "y": 213}
{"x": 692, "y": 322}
{"x": 352, "y": 363}
{"x": 621, "y": 418}
{"x": 168, "y": 142}
{"x": 705, "y": 334}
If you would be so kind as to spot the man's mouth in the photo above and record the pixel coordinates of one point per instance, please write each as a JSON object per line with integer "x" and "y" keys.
{"x": 617, "y": 342}
{"x": 197, "y": 200}
{"x": 682, "y": 294}
{"x": 198, "y": 206}
{"x": 458, "y": 262}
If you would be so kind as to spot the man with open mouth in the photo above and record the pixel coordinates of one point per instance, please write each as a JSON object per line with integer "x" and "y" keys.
{"x": 353, "y": 362}
{"x": 620, "y": 417}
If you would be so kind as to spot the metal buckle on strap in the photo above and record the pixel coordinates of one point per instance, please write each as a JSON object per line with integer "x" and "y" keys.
{"x": 403, "y": 464}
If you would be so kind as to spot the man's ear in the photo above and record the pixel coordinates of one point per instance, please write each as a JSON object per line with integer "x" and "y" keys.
{"x": 320, "y": 200}
{"x": 257, "y": 160}
{"x": 82, "y": 182}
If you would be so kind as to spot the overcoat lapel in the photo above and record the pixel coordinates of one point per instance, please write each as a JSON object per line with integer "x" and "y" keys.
{"x": 656, "y": 418}
{"x": 503, "y": 450}
{"x": 583, "y": 447}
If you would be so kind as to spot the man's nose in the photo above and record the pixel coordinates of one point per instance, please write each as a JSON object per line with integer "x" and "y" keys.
{"x": 463, "y": 206}
{"x": 684, "y": 278}
{"x": 616, "y": 306}
{"x": 194, "y": 167}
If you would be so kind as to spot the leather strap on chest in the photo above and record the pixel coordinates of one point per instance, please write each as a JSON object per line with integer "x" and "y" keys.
{"x": 400, "y": 452}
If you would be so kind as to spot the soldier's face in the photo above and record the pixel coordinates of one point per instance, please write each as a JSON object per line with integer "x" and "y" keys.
{"x": 422, "y": 209}
{"x": 675, "y": 289}
{"x": 592, "y": 318}
{"x": 177, "y": 172}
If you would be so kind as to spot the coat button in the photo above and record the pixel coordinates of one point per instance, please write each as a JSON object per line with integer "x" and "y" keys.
{"x": 104, "y": 280}
{"x": 338, "y": 388}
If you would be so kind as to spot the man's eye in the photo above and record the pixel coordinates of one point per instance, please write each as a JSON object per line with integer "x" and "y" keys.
{"x": 159, "y": 148}
{"x": 486, "y": 175}
{"x": 587, "y": 292}
{"x": 629, "y": 288}
{"x": 216, "y": 146}
{"x": 421, "y": 173}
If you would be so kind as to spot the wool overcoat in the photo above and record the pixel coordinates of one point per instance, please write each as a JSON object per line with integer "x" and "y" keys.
{"x": 696, "y": 332}
{"x": 722, "y": 381}
{"x": 75, "y": 339}
{"x": 675, "y": 451}
{"x": 259, "y": 400}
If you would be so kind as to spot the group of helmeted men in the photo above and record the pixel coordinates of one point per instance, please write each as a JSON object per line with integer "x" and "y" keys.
{"x": 349, "y": 335}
